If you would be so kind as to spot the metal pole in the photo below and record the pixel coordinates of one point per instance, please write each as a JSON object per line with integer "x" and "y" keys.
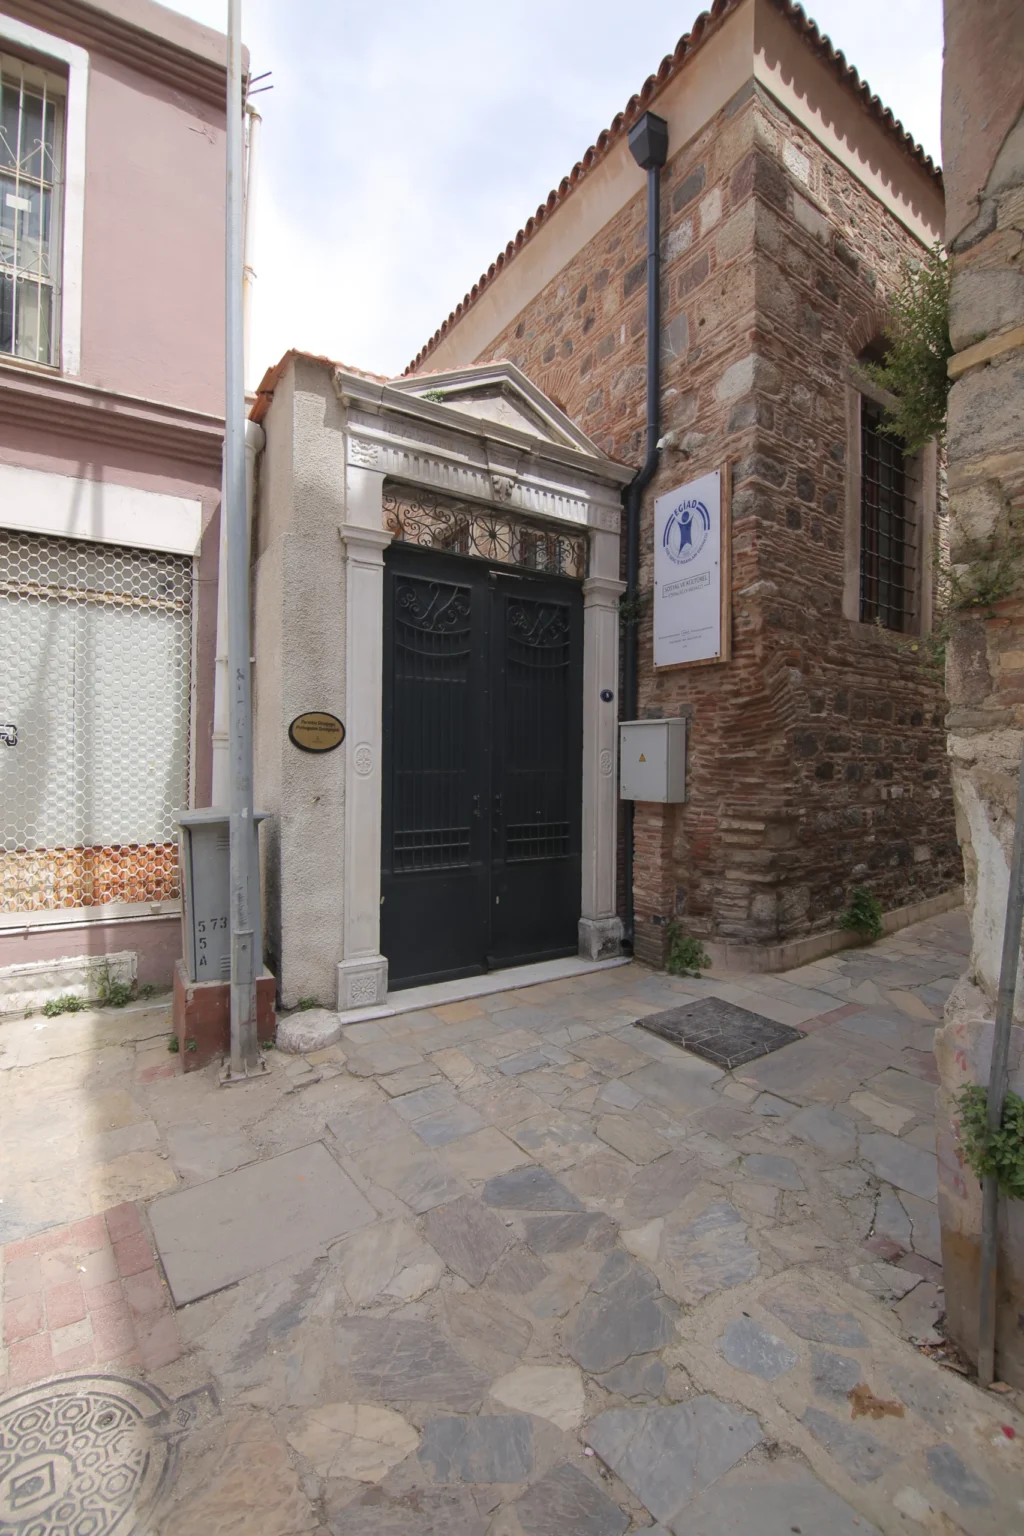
{"x": 997, "y": 1092}
{"x": 245, "y": 1057}
{"x": 252, "y": 166}
{"x": 221, "y": 748}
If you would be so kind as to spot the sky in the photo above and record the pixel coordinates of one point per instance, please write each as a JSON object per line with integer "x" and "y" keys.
{"x": 404, "y": 143}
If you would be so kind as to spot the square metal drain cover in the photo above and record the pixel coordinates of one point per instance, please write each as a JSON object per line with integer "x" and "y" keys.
{"x": 720, "y": 1031}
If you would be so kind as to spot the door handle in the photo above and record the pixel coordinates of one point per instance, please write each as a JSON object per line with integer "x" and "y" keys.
{"x": 497, "y": 806}
{"x": 476, "y": 807}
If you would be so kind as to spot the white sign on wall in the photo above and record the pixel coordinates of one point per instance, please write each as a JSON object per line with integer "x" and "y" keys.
{"x": 688, "y": 555}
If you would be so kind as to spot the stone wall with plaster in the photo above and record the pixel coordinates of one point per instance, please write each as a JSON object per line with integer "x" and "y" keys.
{"x": 983, "y": 151}
{"x": 299, "y": 643}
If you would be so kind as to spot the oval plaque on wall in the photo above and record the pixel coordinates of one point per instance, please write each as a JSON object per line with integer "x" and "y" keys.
{"x": 316, "y": 732}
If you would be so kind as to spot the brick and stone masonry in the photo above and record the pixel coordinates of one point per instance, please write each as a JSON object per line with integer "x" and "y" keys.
{"x": 817, "y": 755}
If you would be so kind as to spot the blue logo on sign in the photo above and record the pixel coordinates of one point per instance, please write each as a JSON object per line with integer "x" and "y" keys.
{"x": 686, "y": 531}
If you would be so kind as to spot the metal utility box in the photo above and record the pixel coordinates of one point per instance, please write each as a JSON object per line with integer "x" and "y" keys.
{"x": 205, "y": 891}
{"x": 652, "y": 760}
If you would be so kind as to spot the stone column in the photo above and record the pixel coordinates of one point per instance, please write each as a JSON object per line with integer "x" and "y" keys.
{"x": 983, "y": 155}
{"x": 363, "y": 970}
{"x": 600, "y": 930}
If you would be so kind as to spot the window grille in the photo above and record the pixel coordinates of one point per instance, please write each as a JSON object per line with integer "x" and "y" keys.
{"x": 420, "y": 517}
{"x": 31, "y": 186}
{"x": 888, "y": 554}
{"x": 95, "y": 706}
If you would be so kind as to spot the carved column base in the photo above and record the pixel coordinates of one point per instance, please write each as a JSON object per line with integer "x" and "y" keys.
{"x": 600, "y": 937}
{"x": 362, "y": 983}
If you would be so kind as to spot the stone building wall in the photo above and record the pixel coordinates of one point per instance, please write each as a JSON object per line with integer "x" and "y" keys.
{"x": 817, "y": 755}
{"x": 983, "y": 149}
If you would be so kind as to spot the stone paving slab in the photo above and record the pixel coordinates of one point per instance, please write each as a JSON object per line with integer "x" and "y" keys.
{"x": 562, "y": 1220}
{"x": 217, "y": 1233}
{"x": 773, "y": 1501}
{"x": 668, "y": 1455}
{"x": 921, "y": 1429}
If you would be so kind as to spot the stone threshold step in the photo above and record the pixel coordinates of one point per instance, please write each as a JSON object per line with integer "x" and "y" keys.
{"x": 436, "y": 994}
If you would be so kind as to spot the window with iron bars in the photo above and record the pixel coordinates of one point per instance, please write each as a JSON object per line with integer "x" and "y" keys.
{"x": 31, "y": 195}
{"x": 888, "y": 532}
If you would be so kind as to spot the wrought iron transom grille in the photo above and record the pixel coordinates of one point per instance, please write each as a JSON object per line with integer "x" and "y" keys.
{"x": 457, "y": 528}
{"x": 95, "y": 707}
{"x": 887, "y": 531}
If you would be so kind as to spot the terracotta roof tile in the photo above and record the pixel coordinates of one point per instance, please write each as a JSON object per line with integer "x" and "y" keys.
{"x": 272, "y": 377}
{"x": 705, "y": 25}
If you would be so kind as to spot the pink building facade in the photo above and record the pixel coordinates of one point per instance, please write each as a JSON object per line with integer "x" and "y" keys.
{"x": 111, "y": 423}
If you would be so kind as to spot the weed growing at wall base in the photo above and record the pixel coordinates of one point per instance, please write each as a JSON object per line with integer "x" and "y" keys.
{"x": 68, "y": 1002}
{"x": 999, "y": 1152}
{"x": 686, "y": 956}
{"x": 864, "y": 914}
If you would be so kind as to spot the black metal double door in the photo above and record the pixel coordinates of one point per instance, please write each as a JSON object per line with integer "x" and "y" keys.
{"x": 482, "y": 781}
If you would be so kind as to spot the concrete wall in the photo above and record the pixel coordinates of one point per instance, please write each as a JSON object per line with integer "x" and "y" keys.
{"x": 817, "y": 754}
{"x": 983, "y": 150}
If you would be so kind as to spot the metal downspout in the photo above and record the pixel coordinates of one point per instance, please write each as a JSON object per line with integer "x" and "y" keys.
{"x": 648, "y": 143}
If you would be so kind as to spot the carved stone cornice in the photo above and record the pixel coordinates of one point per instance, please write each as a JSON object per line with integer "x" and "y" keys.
{"x": 469, "y": 465}
{"x": 61, "y": 406}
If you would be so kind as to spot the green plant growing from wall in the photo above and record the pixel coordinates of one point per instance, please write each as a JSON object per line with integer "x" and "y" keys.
{"x": 632, "y": 609}
{"x": 864, "y": 914}
{"x": 437, "y": 395}
{"x": 965, "y": 591}
{"x": 914, "y": 370}
{"x": 686, "y": 955}
{"x": 999, "y": 1153}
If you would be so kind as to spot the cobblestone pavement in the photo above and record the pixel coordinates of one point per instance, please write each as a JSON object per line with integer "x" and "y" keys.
{"x": 583, "y": 1283}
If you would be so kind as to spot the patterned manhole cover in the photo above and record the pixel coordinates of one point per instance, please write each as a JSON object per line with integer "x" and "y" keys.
{"x": 81, "y": 1457}
{"x": 720, "y": 1031}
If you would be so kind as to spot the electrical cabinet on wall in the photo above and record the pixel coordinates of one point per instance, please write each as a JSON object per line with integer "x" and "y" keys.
{"x": 652, "y": 760}
{"x": 205, "y": 891}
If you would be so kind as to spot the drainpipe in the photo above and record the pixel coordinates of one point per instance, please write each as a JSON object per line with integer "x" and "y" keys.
{"x": 648, "y": 144}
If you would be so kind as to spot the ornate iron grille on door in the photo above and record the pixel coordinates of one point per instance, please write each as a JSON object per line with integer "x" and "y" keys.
{"x": 458, "y": 528}
{"x": 536, "y": 724}
{"x": 482, "y": 781}
{"x": 431, "y": 694}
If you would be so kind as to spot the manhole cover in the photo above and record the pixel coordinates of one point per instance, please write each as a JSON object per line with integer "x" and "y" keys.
{"x": 720, "y": 1032}
{"x": 81, "y": 1457}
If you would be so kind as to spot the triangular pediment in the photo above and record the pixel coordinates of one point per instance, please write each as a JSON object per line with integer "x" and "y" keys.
{"x": 500, "y": 393}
